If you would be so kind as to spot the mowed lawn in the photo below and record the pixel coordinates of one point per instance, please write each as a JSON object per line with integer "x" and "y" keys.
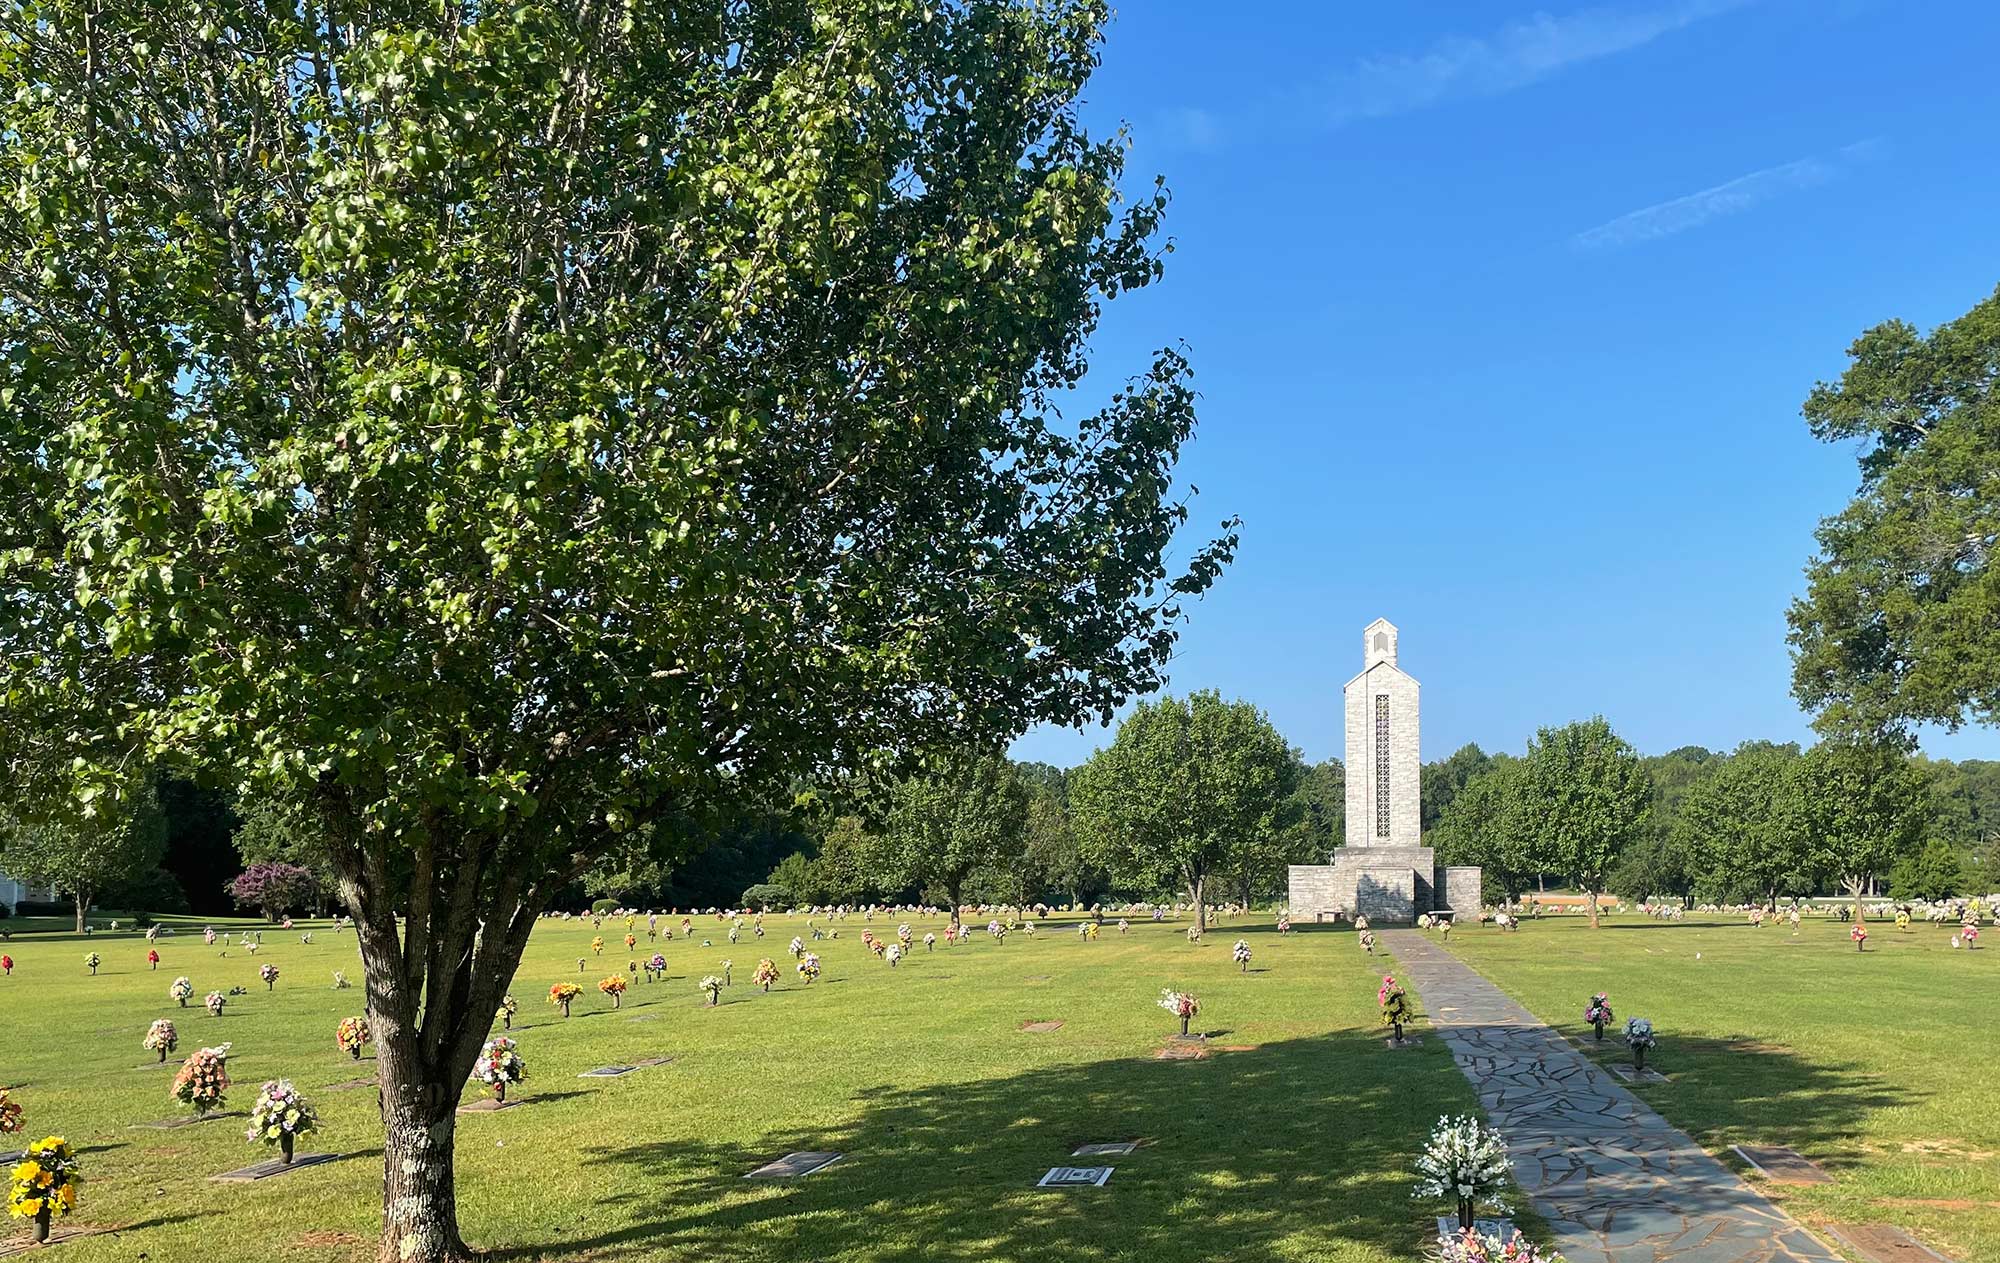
{"x": 1878, "y": 1066}
{"x": 1296, "y": 1146}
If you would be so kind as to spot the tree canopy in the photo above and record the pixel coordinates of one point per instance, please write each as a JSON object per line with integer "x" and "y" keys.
{"x": 1587, "y": 797}
{"x": 508, "y": 426}
{"x": 1900, "y": 621}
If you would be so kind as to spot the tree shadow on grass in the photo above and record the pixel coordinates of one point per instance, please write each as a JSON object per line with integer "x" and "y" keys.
{"x": 1749, "y": 1091}
{"x": 1287, "y": 1148}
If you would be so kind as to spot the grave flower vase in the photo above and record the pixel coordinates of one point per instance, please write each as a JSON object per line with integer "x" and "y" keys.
{"x": 1598, "y": 1026}
{"x": 615, "y": 998}
{"x": 285, "y": 1143}
{"x": 1465, "y": 1213}
{"x": 1184, "y": 1023}
{"x": 507, "y": 1021}
{"x": 163, "y": 1054}
{"x": 355, "y": 1052}
{"x": 565, "y": 1008}
{"x": 500, "y": 1091}
{"x": 42, "y": 1225}
{"x": 1396, "y": 1032}
{"x": 1639, "y": 1056}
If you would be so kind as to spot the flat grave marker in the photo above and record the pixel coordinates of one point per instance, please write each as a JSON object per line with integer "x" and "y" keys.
{"x": 175, "y": 1124}
{"x": 607, "y": 1072}
{"x": 270, "y": 1167}
{"x": 1632, "y": 1074}
{"x": 1105, "y": 1149}
{"x": 1041, "y": 1028}
{"x": 486, "y": 1105}
{"x": 650, "y": 1062}
{"x": 794, "y": 1166}
{"x": 1884, "y": 1243}
{"x": 1038, "y": 978}
{"x": 1075, "y": 1177}
{"x": 1181, "y": 1052}
{"x": 1407, "y": 1041}
{"x": 1781, "y": 1165}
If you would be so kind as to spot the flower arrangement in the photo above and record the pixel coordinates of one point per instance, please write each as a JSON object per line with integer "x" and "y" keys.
{"x": 1090, "y": 931}
{"x": 1367, "y": 941}
{"x": 1472, "y": 1246}
{"x": 1970, "y": 933}
{"x": 44, "y": 1184}
{"x": 181, "y": 990}
{"x": 903, "y": 935}
{"x": 630, "y": 942}
{"x": 713, "y": 986}
{"x": 727, "y": 967}
{"x": 202, "y": 1080}
{"x": 208, "y": 935}
{"x": 808, "y": 967}
{"x": 894, "y": 954}
{"x": 352, "y": 1035}
{"x": 1284, "y": 923}
{"x": 797, "y": 947}
{"x": 1194, "y": 934}
{"x": 564, "y": 994}
{"x": 597, "y": 946}
{"x": 1860, "y": 936}
{"x": 1465, "y": 1161}
{"x": 614, "y": 986}
{"x": 930, "y": 941}
{"x": 656, "y": 966}
{"x": 996, "y": 930}
{"x": 1598, "y": 1012}
{"x": 152, "y": 959}
{"x": 1241, "y": 954}
{"x": 765, "y": 974}
{"x": 160, "y": 1038}
{"x": 214, "y": 1001}
{"x": 1903, "y": 920}
{"x": 92, "y": 960}
{"x": 1182, "y": 1004}
{"x": 269, "y": 973}
{"x": 280, "y": 1116}
{"x": 339, "y": 981}
{"x": 499, "y": 1064}
{"x": 1639, "y": 1038}
{"x": 508, "y": 1007}
{"x": 10, "y": 1114}
{"x": 1395, "y": 1004}
{"x": 6, "y": 965}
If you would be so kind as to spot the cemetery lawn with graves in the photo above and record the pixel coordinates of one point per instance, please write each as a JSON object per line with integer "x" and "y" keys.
{"x": 1292, "y": 1138}
{"x": 1877, "y": 1066}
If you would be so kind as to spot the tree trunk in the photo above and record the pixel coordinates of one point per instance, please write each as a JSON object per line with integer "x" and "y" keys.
{"x": 82, "y": 909}
{"x": 1855, "y": 885}
{"x": 419, "y": 1195}
{"x": 1593, "y": 909}
{"x": 1195, "y": 884}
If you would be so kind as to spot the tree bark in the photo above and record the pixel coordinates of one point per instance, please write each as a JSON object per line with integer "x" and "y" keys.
{"x": 419, "y": 1195}
{"x": 1195, "y": 883}
{"x": 1593, "y": 909}
{"x": 82, "y": 908}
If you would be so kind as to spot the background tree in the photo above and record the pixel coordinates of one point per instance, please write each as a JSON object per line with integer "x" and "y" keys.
{"x": 1586, "y": 799}
{"x": 82, "y": 857}
{"x": 1183, "y": 783}
{"x": 1897, "y": 626}
{"x": 1442, "y": 780}
{"x": 1322, "y": 796}
{"x": 274, "y": 887}
{"x": 285, "y": 829}
{"x": 966, "y": 815}
{"x": 1740, "y": 827}
{"x": 1859, "y": 807}
{"x": 510, "y": 425}
{"x": 1486, "y": 824}
{"x": 1054, "y": 851}
{"x": 1935, "y": 872}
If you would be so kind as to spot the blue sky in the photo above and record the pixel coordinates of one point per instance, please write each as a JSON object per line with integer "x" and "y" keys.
{"x": 1502, "y": 317}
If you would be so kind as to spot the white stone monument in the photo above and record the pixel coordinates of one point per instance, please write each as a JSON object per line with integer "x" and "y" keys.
{"x": 1384, "y": 871}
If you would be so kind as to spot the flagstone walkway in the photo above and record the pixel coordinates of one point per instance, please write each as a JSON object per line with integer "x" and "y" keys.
{"x": 1617, "y": 1184}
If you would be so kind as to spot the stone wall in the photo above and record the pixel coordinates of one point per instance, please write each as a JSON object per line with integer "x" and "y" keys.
{"x": 1359, "y": 874}
{"x": 1386, "y": 895}
{"x": 1460, "y": 889}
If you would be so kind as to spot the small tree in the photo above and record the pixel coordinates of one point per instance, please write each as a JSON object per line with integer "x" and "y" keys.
{"x": 944, "y": 825}
{"x": 1933, "y": 873}
{"x": 1740, "y": 826}
{"x": 1180, "y": 788}
{"x": 1586, "y": 796}
{"x": 273, "y": 887}
{"x": 80, "y": 856}
{"x": 1858, "y": 805}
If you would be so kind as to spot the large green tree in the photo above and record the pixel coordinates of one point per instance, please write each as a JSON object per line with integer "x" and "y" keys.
{"x": 1184, "y": 786}
{"x": 1442, "y": 780}
{"x": 1900, "y": 622}
{"x": 1860, "y": 810}
{"x": 1486, "y": 824}
{"x": 968, "y": 813}
{"x": 1586, "y": 797}
{"x": 82, "y": 856}
{"x": 1741, "y": 827}
{"x": 507, "y": 425}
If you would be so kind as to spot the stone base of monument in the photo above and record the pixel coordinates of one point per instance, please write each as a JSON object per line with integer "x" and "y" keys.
{"x": 1501, "y": 1228}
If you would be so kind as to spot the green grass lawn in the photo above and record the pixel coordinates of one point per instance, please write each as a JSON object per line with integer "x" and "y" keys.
{"x": 1878, "y": 1066}
{"x": 1296, "y": 1147}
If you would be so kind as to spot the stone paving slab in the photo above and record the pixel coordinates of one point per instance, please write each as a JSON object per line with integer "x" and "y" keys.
{"x": 1615, "y": 1181}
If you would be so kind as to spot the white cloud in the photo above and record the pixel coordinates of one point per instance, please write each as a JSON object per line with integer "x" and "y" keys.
{"x": 1513, "y": 57}
{"x": 1193, "y": 127}
{"x": 1732, "y": 197}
